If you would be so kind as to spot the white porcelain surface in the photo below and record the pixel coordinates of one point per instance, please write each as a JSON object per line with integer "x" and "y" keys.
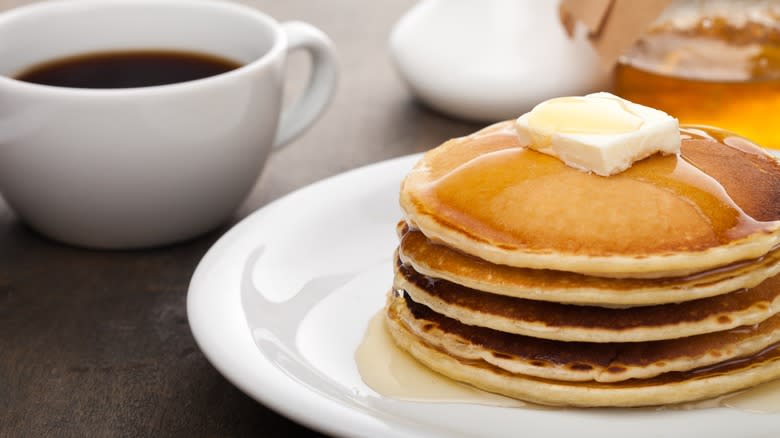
{"x": 492, "y": 60}
{"x": 280, "y": 303}
{"x": 146, "y": 166}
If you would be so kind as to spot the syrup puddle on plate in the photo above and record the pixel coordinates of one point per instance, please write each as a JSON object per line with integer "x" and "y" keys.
{"x": 393, "y": 373}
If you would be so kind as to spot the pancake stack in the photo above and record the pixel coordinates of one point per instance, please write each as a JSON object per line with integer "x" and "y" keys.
{"x": 522, "y": 276}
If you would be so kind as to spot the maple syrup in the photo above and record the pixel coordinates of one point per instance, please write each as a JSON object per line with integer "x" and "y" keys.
{"x": 719, "y": 72}
{"x": 519, "y": 197}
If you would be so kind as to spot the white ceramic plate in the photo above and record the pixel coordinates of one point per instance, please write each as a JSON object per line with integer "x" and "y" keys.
{"x": 280, "y": 303}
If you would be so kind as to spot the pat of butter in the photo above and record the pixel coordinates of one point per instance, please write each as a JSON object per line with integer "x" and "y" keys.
{"x": 599, "y": 133}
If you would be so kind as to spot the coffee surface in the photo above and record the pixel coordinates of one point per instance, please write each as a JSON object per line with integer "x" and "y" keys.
{"x": 127, "y": 69}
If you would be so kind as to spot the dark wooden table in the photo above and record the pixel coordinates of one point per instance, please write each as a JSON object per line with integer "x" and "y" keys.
{"x": 96, "y": 343}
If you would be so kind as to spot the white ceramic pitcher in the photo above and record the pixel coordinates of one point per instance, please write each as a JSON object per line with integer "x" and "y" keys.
{"x": 493, "y": 59}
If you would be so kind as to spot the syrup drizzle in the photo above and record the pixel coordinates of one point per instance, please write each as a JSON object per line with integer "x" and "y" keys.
{"x": 516, "y": 196}
{"x": 394, "y": 373}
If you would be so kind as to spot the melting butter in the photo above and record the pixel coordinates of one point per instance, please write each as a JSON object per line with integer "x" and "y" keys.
{"x": 577, "y": 115}
{"x": 599, "y": 132}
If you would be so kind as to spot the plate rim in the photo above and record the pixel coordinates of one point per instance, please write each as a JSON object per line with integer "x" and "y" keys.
{"x": 197, "y": 301}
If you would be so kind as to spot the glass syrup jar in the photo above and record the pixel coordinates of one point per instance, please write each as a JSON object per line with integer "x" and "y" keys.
{"x": 711, "y": 62}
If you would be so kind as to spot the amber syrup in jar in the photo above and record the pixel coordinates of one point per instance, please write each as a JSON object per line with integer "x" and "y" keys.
{"x": 713, "y": 63}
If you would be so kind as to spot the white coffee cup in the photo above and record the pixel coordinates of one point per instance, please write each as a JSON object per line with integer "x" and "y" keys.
{"x": 138, "y": 167}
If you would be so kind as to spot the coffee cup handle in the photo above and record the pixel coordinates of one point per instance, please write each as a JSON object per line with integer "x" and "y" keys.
{"x": 322, "y": 80}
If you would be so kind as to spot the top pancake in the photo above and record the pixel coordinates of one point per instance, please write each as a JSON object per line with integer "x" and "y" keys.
{"x": 716, "y": 203}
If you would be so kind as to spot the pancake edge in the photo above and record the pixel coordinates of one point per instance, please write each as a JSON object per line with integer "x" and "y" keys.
{"x": 551, "y": 393}
{"x": 751, "y": 314}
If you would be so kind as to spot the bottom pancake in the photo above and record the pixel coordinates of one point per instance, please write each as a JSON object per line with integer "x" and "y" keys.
{"x": 582, "y": 361}
{"x": 668, "y": 388}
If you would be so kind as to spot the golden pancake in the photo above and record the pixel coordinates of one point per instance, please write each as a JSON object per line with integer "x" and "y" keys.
{"x": 668, "y": 388}
{"x": 578, "y": 361}
{"x": 565, "y": 322}
{"x": 439, "y": 261}
{"x": 716, "y": 203}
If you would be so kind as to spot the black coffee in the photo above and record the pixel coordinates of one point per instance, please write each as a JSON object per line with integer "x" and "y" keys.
{"x": 130, "y": 69}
